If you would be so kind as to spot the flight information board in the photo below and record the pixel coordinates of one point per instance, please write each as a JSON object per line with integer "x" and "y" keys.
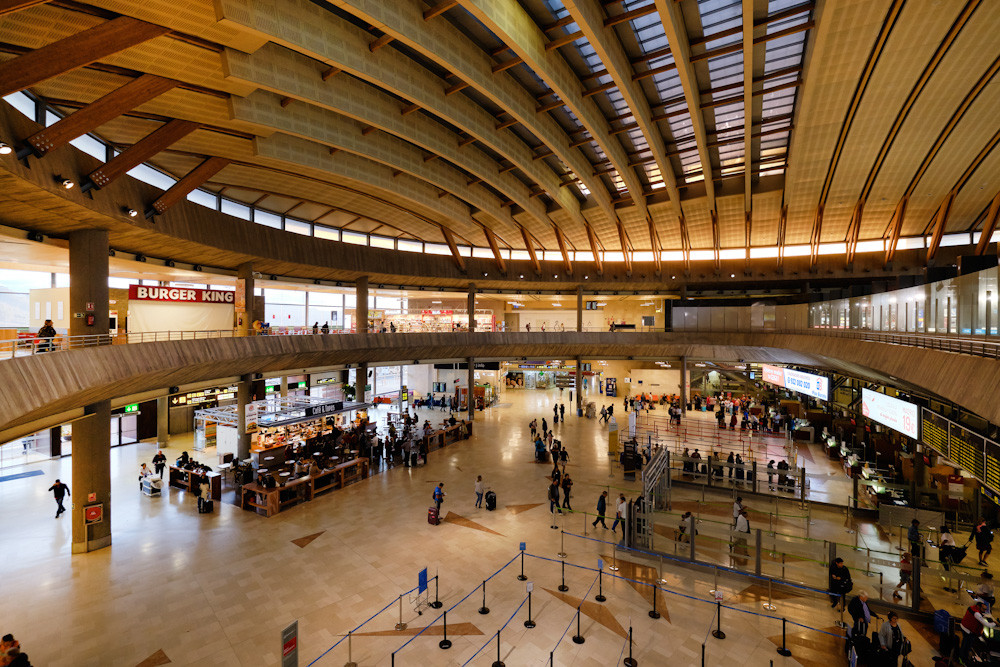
{"x": 967, "y": 450}
{"x": 935, "y": 432}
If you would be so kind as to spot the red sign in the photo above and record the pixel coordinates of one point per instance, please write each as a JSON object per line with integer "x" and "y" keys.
{"x": 436, "y": 312}
{"x": 180, "y": 294}
{"x": 289, "y": 646}
{"x": 91, "y": 497}
{"x": 93, "y": 513}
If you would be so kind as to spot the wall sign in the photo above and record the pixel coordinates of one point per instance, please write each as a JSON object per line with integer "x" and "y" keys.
{"x": 892, "y": 412}
{"x": 809, "y": 384}
{"x": 180, "y": 294}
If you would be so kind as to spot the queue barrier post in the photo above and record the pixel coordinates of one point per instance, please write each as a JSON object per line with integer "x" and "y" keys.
{"x": 484, "y": 609}
{"x": 521, "y": 576}
{"x": 498, "y": 662}
{"x": 614, "y": 559}
{"x": 562, "y": 586}
{"x": 578, "y": 637}
{"x": 445, "y": 643}
{"x": 400, "y": 626}
{"x": 600, "y": 586}
{"x": 783, "y": 651}
{"x": 350, "y": 660}
{"x": 718, "y": 633}
{"x": 716, "y": 587}
{"x": 437, "y": 604}
{"x": 769, "y": 605}
{"x": 840, "y": 623}
{"x": 562, "y": 544}
{"x": 653, "y": 613}
{"x": 630, "y": 661}
{"x": 529, "y": 623}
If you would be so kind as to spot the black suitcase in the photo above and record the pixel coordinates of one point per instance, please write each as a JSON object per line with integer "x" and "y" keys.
{"x": 432, "y": 516}
{"x": 206, "y": 506}
{"x": 491, "y": 501}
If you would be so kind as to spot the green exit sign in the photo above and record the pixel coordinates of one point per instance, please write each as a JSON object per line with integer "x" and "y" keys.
{"x": 132, "y": 408}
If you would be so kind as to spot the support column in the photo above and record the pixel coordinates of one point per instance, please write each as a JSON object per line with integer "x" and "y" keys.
{"x": 684, "y": 385}
{"x": 579, "y": 383}
{"x": 471, "y": 304}
{"x": 242, "y": 398}
{"x": 163, "y": 422}
{"x": 360, "y": 382}
{"x": 361, "y": 306}
{"x": 55, "y": 442}
{"x": 284, "y": 386}
{"x": 472, "y": 383}
{"x": 245, "y": 314}
{"x": 88, "y": 295}
{"x": 579, "y": 317}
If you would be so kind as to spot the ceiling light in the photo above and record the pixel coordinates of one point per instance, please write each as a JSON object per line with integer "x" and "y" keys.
{"x": 557, "y": 304}
{"x": 68, "y": 184}
{"x": 732, "y": 275}
{"x": 485, "y": 274}
{"x": 673, "y": 277}
{"x": 5, "y": 149}
{"x": 435, "y": 302}
{"x": 521, "y": 276}
{"x": 130, "y": 212}
{"x": 586, "y": 277}
{"x": 556, "y": 275}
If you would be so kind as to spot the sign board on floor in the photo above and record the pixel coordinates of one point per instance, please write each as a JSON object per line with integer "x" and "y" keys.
{"x": 290, "y": 645}
{"x": 422, "y": 580}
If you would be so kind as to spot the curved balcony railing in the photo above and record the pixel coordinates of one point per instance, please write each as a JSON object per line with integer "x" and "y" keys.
{"x": 962, "y": 344}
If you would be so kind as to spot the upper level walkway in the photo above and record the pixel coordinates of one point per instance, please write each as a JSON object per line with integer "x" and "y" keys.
{"x": 41, "y": 390}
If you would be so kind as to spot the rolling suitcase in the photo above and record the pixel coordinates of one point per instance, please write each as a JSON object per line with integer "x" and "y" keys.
{"x": 491, "y": 501}
{"x": 432, "y": 516}
{"x": 206, "y": 507}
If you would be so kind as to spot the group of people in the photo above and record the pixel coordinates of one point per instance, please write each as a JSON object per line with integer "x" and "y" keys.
{"x": 10, "y": 653}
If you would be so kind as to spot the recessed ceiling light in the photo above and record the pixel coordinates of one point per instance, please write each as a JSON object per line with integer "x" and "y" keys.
{"x": 7, "y": 150}
{"x": 68, "y": 184}
{"x": 522, "y": 276}
{"x": 732, "y": 275}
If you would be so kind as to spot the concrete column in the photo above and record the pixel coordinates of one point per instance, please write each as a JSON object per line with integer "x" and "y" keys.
{"x": 684, "y": 384}
{"x": 244, "y": 320}
{"x": 472, "y": 383}
{"x": 579, "y": 382}
{"x": 472, "y": 307}
{"x": 361, "y": 305}
{"x": 242, "y": 398}
{"x": 361, "y": 380}
{"x": 88, "y": 295}
{"x": 284, "y": 386}
{"x": 579, "y": 315}
{"x": 163, "y": 421}
{"x": 55, "y": 442}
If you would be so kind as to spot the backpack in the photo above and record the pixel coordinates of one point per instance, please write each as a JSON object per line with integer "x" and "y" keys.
{"x": 942, "y": 621}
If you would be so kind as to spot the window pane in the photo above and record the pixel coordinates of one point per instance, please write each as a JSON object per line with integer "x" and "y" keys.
{"x": 298, "y": 227}
{"x": 326, "y": 233}
{"x": 411, "y": 246}
{"x": 206, "y": 199}
{"x": 267, "y": 218}
{"x": 151, "y": 176}
{"x": 91, "y": 147}
{"x": 229, "y": 207}
{"x": 354, "y": 238}
{"x": 22, "y": 103}
{"x": 382, "y": 242}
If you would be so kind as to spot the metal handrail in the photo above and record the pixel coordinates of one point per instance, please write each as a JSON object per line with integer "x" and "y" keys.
{"x": 37, "y": 345}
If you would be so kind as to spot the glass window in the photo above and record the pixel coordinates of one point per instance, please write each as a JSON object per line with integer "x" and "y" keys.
{"x": 328, "y": 233}
{"x": 436, "y": 249}
{"x": 284, "y": 296}
{"x": 285, "y": 315}
{"x": 91, "y": 147}
{"x": 22, "y": 103}
{"x": 482, "y": 253}
{"x": 267, "y": 218}
{"x": 147, "y": 174}
{"x": 121, "y": 283}
{"x": 410, "y": 246}
{"x": 354, "y": 238}
{"x": 229, "y": 207}
{"x": 298, "y": 227}
{"x": 382, "y": 242}
{"x": 203, "y": 198}
{"x": 326, "y": 298}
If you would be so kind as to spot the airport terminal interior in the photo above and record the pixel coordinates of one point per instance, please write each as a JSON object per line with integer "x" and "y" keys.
{"x": 499, "y": 332}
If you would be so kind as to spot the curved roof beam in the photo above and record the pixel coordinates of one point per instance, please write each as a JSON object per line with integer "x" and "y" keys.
{"x": 509, "y": 22}
{"x": 283, "y": 71}
{"x": 335, "y": 131}
{"x": 309, "y": 29}
{"x": 590, "y": 18}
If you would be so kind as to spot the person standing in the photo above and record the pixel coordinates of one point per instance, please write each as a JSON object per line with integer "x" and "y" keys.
{"x": 555, "y": 415}
{"x": 159, "y": 462}
{"x": 972, "y": 627}
{"x": 562, "y": 412}
{"x": 602, "y": 508}
{"x": 554, "y": 498}
{"x": 913, "y": 535}
{"x": 737, "y": 508}
{"x": 439, "y": 496}
{"x": 479, "y": 491}
{"x": 567, "y": 484}
{"x": 860, "y": 614}
{"x": 840, "y": 581}
{"x": 891, "y": 638}
{"x": 984, "y": 541}
{"x": 60, "y": 491}
{"x": 45, "y": 336}
{"x": 946, "y": 547}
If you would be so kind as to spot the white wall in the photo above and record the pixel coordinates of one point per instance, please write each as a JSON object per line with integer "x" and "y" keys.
{"x": 654, "y": 381}
{"x": 555, "y": 319}
{"x": 169, "y": 316}
{"x": 418, "y": 378}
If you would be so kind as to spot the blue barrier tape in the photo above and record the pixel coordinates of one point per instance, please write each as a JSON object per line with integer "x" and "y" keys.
{"x": 456, "y": 604}
{"x": 359, "y": 627}
{"x": 504, "y": 627}
{"x": 585, "y": 596}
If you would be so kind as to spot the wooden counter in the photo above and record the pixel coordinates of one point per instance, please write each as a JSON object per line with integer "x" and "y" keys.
{"x": 182, "y": 479}
{"x": 302, "y": 489}
{"x": 447, "y": 435}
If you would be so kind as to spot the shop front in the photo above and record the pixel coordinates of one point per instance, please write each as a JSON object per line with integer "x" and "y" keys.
{"x": 179, "y": 309}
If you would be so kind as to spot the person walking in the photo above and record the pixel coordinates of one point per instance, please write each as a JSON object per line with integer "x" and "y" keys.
{"x": 984, "y": 541}
{"x": 602, "y": 508}
{"x": 479, "y": 491}
{"x": 439, "y": 496}
{"x": 60, "y": 491}
{"x": 159, "y": 462}
{"x": 840, "y": 583}
{"x": 554, "y": 498}
{"x": 905, "y": 574}
{"x": 946, "y": 547}
{"x": 604, "y": 414}
{"x": 563, "y": 458}
{"x": 567, "y": 484}
{"x": 562, "y": 412}
{"x": 555, "y": 415}
{"x": 620, "y": 514}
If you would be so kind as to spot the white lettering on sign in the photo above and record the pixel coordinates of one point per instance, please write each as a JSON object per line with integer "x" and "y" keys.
{"x": 143, "y": 293}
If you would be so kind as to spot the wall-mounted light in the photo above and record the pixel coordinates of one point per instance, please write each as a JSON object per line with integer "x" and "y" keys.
{"x": 65, "y": 182}
{"x": 485, "y": 274}
{"x": 5, "y": 149}
{"x": 140, "y": 257}
{"x": 35, "y": 236}
{"x": 169, "y": 263}
{"x": 521, "y": 276}
{"x": 196, "y": 267}
{"x": 130, "y": 212}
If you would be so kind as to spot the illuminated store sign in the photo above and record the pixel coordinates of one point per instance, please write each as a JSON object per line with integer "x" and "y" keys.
{"x": 892, "y": 412}
{"x": 180, "y": 294}
{"x": 816, "y": 386}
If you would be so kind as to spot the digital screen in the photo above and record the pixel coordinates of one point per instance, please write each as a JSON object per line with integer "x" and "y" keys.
{"x": 816, "y": 386}
{"x": 892, "y": 412}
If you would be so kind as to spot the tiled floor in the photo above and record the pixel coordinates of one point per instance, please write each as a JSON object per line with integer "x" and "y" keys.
{"x": 217, "y": 589}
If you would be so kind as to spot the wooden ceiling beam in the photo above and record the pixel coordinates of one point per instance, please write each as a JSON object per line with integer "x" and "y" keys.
{"x": 384, "y": 40}
{"x": 940, "y": 224}
{"x": 782, "y": 224}
{"x": 408, "y": 109}
{"x": 989, "y": 225}
{"x": 455, "y": 255}
{"x": 629, "y": 16}
{"x": 623, "y": 240}
{"x": 815, "y": 237}
{"x": 595, "y": 248}
{"x": 98, "y": 112}
{"x": 491, "y": 240}
{"x": 141, "y": 151}
{"x": 332, "y": 71}
{"x": 531, "y": 250}
{"x": 895, "y": 229}
{"x": 74, "y": 52}
{"x": 563, "y": 41}
{"x": 716, "y": 238}
{"x": 194, "y": 179}
{"x": 506, "y": 65}
{"x": 654, "y": 243}
{"x": 439, "y": 9}
{"x": 748, "y": 65}
{"x": 563, "y": 248}
{"x": 854, "y": 230}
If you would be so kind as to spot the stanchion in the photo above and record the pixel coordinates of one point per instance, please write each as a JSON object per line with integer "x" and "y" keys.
{"x": 578, "y": 638}
{"x": 521, "y": 576}
{"x": 445, "y": 643}
{"x": 653, "y": 613}
{"x": 630, "y": 661}
{"x": 585, "y": 524}
{"x": 768, "y": 606}
{"x": 437, "y": 604}
{"x": 784, "y": 649}
{"x": 840, "y": 623}
{"x": 498, "y": 662}
{"x": 400, "y": 625}
{"x": 350, "y": 659}
{"x": 600, "y": 582}
{"x": 850, "y": 530}
{"x": 562, "y": 544}
{"x": 529, "y": 623}
{"x": 614, "y": 560}
{"x": 562, "y": 586}
{"x": 484, "y": 609}
{"x": 660, "y": 580}
{"x": 718, "y": 633}
{"x": 713, "y": 591}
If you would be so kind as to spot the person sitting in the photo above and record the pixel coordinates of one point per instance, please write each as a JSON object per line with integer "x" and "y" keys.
{"x": 451, "y": 420}
{"x": 10, "y": 648}
{"x": 183, "y": 460}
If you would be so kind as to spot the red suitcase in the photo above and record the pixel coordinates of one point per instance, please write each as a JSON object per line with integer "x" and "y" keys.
{"x": 432, "y": 516}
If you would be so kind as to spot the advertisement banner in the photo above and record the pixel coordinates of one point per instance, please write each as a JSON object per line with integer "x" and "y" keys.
{"x": 180, "y": 294}
{"x": 892, "y": 412}
{"x": 810, "y": 384}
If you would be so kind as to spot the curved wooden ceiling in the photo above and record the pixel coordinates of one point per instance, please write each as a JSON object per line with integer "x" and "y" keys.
{"x": 586, "y": 125}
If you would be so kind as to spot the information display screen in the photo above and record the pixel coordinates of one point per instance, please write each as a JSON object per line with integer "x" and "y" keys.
{"x": 935, "y": 430}
{"x": 892, "y": 412}
{"x": 810, "y": 384}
